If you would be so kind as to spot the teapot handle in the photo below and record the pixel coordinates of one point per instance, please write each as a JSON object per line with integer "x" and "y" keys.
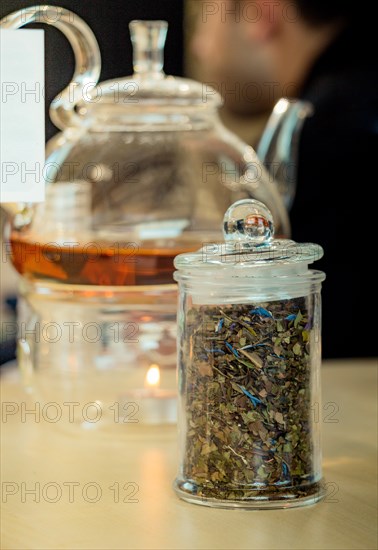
{"x": 86, "y": 50}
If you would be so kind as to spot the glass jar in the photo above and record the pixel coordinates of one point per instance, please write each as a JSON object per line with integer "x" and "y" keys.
{"x": 249, "y": 353}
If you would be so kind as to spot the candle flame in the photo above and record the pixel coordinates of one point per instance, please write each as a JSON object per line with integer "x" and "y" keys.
{"x": 153, "y": 376}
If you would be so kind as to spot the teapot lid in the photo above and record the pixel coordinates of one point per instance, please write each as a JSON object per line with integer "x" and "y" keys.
{"x": 248, "y": 230}
{"x": 149, "y": 87}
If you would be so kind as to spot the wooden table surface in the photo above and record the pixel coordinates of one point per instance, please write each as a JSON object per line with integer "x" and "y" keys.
{"x": 109, "y": 490}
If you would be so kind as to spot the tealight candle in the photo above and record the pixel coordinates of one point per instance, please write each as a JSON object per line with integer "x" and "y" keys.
{"x": 154, "y": 405}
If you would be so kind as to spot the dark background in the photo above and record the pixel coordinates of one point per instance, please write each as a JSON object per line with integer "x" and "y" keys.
{"x": 109, "y": 21}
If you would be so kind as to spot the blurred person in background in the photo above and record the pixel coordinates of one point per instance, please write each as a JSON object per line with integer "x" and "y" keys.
{"x": 218, "y": 55}
{"x": 321, "y": 51}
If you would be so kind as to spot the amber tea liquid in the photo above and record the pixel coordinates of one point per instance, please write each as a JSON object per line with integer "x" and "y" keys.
{"x": 116, "y": 264}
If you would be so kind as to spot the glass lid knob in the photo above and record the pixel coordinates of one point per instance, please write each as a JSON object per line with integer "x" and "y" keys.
{"x": 148, "y": 39}
{"x": 248, "y": 221}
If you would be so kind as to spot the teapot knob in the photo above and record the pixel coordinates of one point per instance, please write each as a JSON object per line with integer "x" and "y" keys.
{"x": 148, "y": 38}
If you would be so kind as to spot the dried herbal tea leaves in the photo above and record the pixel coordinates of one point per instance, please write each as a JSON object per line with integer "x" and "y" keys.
{"x": 246, "y": 377}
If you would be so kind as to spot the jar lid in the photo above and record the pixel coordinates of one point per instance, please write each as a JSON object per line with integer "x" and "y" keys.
{"x": 248, "y": 230}
{"x": 149, "y": 87}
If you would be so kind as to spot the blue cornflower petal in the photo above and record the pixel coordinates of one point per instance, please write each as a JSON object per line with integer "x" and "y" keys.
{"x": 220, "y": 325}
{"x": 261, "y": 311}
{"x": 233, "y": 350}
{"x": 215, "y": 350}
{"x": 251, "y": 397}
{"x": 250, "y": 346}
{"x": 291, "y": 317}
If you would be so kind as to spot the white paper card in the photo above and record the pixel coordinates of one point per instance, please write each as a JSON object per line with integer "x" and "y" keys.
{"x": 22, "y": 115}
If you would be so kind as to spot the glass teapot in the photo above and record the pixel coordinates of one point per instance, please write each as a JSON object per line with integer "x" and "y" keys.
{"x": 161, "y": 167}
{"x": 142, "y": 170}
